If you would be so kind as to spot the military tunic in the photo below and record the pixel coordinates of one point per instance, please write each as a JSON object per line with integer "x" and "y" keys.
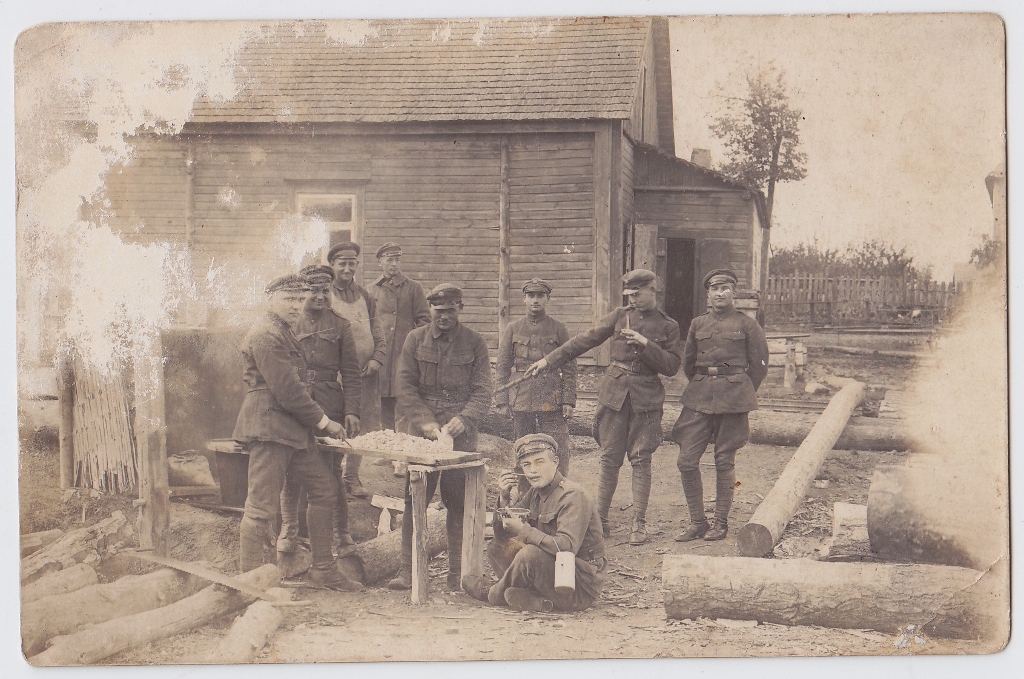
{"x": 563, "y": 511}
{"x": 537, "y": 403}
{"x": 330, "y": 352}
{"x": 401, "y": 306}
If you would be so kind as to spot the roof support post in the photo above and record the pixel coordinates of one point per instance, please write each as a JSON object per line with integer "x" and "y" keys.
{"x": 504, "y": 248}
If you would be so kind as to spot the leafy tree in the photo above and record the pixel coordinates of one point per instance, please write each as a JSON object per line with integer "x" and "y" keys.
{"x": 869, "y": 259}
{"x": 989, "y": 252}
{"x": 761, "y": 132}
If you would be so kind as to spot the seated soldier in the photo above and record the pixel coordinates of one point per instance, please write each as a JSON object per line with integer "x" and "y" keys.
{"x": 562, "y": 519}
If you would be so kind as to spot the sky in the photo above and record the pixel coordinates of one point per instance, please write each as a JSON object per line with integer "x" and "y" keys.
{"x": 903, "y": 120}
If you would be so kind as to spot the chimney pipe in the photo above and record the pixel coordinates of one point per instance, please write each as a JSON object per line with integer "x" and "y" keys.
{"x": 701, "y": 157}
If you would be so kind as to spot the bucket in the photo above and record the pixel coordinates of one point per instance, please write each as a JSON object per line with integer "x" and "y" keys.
{"x": 233, "y": 472}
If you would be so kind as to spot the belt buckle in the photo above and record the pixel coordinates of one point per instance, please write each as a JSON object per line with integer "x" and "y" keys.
{"x": 713, "y": 370}
{"x": 310, "y": 375}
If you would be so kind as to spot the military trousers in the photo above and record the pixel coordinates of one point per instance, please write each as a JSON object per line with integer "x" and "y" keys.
{"x": 268, "y": 464}
{"x": 693, "y": 431}
{"x": 551, "y": 423}
{"x": 530, "y": 567}
{"x": 626, "y": 434}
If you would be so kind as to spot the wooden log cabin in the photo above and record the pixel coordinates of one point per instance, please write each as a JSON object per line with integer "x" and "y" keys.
{"x": 493, "y": 151}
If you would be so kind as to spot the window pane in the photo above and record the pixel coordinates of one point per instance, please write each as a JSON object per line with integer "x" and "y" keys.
{"x": 339, "y": 210}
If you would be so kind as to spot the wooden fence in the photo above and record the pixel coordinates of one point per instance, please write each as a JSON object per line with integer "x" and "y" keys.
{"x": 817, "y": 298}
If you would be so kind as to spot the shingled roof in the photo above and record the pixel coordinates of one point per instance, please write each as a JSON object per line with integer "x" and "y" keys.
{"x": 434, "y": 70}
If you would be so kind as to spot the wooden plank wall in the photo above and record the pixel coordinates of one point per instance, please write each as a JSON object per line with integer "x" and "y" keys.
{"x": 712, "y": 215}
{"x": 628, "y": 182}
{"x": 147, "y": 195}
{"x": 551, "y": 210}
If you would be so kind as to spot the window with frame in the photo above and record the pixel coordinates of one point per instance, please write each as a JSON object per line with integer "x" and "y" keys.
{"x": 340, "y": 211}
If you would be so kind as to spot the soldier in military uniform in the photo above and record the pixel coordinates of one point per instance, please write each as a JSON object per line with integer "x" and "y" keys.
{"x": 275, "y": 427}
{"x": 401, "y": 306}
{"x": 355, "y": 304}
{"x": 644, "y": 344}
{"x": 326, "y": 339}
{"x": 725, "y": 359}
{"x": 544, "y": 404}
{"x": 444, "y": 380}
{"x": 562, "y": 519}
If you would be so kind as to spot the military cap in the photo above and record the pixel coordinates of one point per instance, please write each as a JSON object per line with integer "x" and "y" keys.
{"x": 343, "y": 248}
{"x": 389, "y": 248}
{"x": 445, "y": 296}
{"x": 293, "y": 282}
{"x": 636, "y": 279}
{"x": 720, "y": 276}
{"x": 537, "y": 285}
{"x": 318, "y": 274}
{"x": 533, "y": 443}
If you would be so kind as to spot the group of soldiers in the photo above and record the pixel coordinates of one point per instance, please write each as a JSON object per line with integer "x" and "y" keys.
{"x": 333, "y": 358}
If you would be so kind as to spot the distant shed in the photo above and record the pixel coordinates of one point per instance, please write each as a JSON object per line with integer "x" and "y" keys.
{"x": 492, "y": 150}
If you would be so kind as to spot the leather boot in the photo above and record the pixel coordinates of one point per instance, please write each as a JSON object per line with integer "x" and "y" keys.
{"x": 403, "y": 580}
{"x": 606, "y": 481}
{"x": 725, "y": 488}
{"x": 454, "y": 529}
{"x": 638, "y": 534}
{"x": 718, "y": 531}
{"x": 693, "y": 490}
{"x": 344, "y": 545}
{"x": 287, "y": 540}
{"x": 324, "y": 571}
{"x": 641, "y": 489}
{"x": 526, "y": 600}
{"x": 477, "y": 586}
{"x": 352, "y": 482}
{"x": 252, "y": 542}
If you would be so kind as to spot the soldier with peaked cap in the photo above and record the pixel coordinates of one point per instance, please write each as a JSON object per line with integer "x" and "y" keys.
{"x": 644, "y": 345}
{"x": 401, "y": 306}
{"x": 725, "y": 359}
{"x": 275, "y": 427}
{"x": 444, "y": 380}
{"x": 352, "y": 302}
{"x": 562, "y": 518}
{"x": 326, "y": 339}
{"x": 545, "y": 403}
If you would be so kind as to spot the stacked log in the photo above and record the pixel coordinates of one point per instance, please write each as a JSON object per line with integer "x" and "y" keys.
{"x": 380, "y": 558}
{"x": 55, "y": 615}
{"x": 33, "y": 542}
{"x": 250, "y": 632}
{"x": 94, "y": 643}
{"x": 61, "y": 582}
{"x": 83, "y": 545}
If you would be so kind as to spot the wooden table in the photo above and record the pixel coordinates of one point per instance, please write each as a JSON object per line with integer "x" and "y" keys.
{"x": 421, "y": 464}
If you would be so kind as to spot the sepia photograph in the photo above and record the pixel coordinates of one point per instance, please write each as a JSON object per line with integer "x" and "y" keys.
{"x": 564, "y": 337}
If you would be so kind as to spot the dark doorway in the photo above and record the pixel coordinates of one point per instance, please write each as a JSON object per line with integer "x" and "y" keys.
{"x": 680, "y": 262}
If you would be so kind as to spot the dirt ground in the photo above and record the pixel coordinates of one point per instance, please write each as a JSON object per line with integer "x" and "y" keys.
{"x": 629, "y": 622}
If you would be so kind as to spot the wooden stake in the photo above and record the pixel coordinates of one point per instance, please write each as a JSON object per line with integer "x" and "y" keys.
{"x": 66, "y": 396}
{"x": 151, "y": 442}
{"x": 473, "y": 522}
{"x": 765, "y": 527}
{"x": 420, "y": 558}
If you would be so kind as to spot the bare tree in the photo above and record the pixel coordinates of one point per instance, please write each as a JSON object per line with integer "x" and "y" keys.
{"x": 761, "y": 134}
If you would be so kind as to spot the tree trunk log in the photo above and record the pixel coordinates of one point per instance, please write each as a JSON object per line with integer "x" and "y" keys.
{"x": 91, "y": 645}
{"x": 767, "y": 427}
{"x": 765, "y": 527}
{"x": 83, "y": 545}
{"x": 250, "y": 632}
{"x": 382, "y": 557}
{"x": 33, "y": 542}
{"x": 59, "y": 583}
{"x": 884, "y": 597}
{"x": 62, "y": 614}
{"x": 925, "y": 513}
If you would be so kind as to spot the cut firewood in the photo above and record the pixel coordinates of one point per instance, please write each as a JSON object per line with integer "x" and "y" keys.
{"x": 52, "y": 616}
{"x": 83, "y": 545}
{"x": 250, "y": 632}
{"x": 946, "y": 600}
{"x": 850, "y": 534}
{"x": 765, "y": 527}
{"x": 382, "y": 557}
{"x": 95, "y": 643}
{"x": 33, "y": 542}
{"x": 62, "y": 582}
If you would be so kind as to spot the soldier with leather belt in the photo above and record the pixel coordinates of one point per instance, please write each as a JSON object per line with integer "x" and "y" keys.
{"x": 725, "y": 359}
{"x": 644, "y": 345}
{"x": 444, "y": 380}
{"x": 544, "y": 404}
{"x": 326, "y": 339}
{"x": 275, "y": 427}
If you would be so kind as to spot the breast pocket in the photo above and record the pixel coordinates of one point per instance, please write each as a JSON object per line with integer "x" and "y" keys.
{"x": 460, "y": 370}
{"x": 704, "y": 341}
{"x": 521, "y": 351}
{"x": 546, "y": 518}
{"x": 427, "y": 361}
